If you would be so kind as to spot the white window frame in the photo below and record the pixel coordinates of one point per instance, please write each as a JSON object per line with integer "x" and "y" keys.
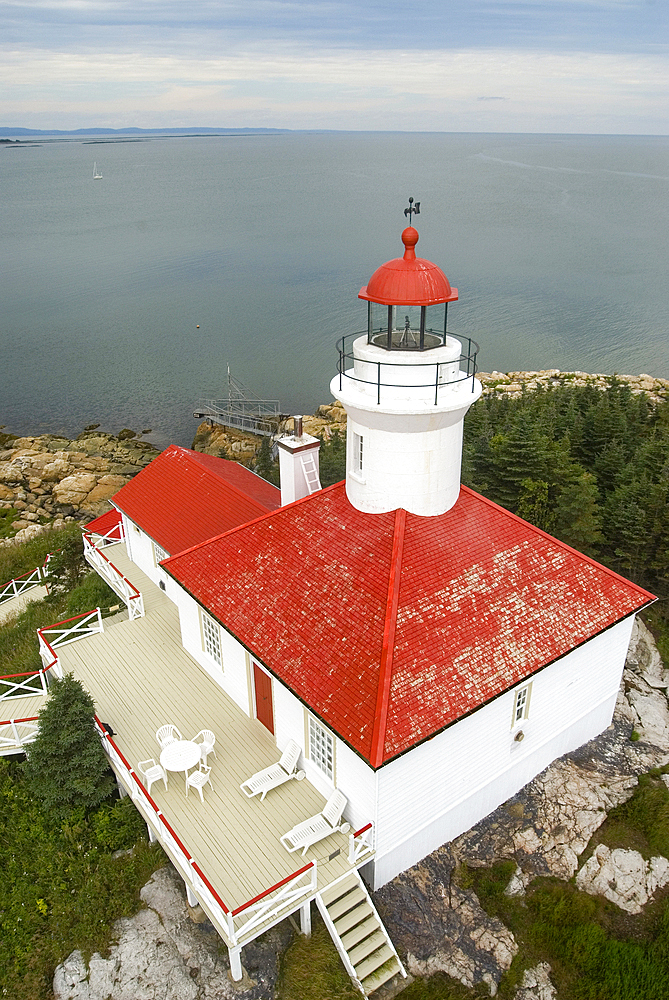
{"x": 211, "y": 638}
{"x": 159, "y": 553}
{"x": 521, "y": 705}
{"x": 321, "y": 747}
{"x": 357, "y": 455}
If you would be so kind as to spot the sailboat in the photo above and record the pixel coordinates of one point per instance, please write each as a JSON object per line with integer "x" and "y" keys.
{"x": 97, "y": 176}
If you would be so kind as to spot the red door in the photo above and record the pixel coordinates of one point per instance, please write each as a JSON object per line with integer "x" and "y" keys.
{"x": 263, "y": 687}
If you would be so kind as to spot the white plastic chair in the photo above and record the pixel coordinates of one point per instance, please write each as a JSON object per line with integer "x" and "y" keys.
{"x": 263, "y": 781}
{"x": 311, "y": 830}
{"x": 206, "y": 744}
{"x": 168, "y": 734}
{"x": 198, "y": 779}
{"x": 152, "y": 772}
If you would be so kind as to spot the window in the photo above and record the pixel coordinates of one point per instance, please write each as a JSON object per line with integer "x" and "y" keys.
{"x": 357, "y": 453}
{"x": 159, "y": 553}
{"x": 521, "y": 704}
{"x": 321, "y": 748}
{"x": 211, "y": 638}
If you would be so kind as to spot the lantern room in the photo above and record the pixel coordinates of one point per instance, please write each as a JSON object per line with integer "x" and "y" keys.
{"x": 408, "y": 301}
{"x": 406, "y": 385}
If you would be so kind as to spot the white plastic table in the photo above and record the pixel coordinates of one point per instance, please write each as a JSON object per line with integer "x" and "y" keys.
{"x": 180, "y": 755}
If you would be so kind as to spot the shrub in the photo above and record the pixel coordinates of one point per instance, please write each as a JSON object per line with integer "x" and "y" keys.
{"x": 66, "y": 766}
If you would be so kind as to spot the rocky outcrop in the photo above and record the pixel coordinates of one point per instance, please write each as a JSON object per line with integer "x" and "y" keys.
{"x": 442, "y": 927}
{"x": 536, "y": 984}
{"x": 623, "y": 876}
{"x": 163, "y": 954}
{"x": 513, "y": 384}
{"x": 50, "y": 480}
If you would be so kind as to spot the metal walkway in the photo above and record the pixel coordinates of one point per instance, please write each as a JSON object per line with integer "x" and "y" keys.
{"x": 241, "y": 409}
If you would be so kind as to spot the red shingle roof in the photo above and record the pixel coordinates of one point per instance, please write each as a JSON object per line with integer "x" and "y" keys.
{"x": 184, "y": 497}
{"x": 103, "y": 524}
{"x": 392, "y": 626}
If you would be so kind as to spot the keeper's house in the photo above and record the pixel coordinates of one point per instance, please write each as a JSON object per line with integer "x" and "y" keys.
{"x": 428, "y": 651}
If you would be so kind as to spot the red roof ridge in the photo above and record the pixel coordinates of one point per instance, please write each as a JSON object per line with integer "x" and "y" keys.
{"x": 255, "y": 520}
{"x": 388, "y": 646}
{"x": 557, "y": 541}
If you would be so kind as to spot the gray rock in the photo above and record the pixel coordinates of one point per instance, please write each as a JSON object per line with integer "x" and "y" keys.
{"x": 623, "y": 877}
{"x": 536, "y": 984}
{"x": 161, "y": 954}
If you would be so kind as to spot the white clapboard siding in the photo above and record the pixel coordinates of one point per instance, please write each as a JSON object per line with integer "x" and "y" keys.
{"x": 446, "y": 785}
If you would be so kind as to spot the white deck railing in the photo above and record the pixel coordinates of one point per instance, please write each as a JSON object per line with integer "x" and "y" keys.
{"x": 21, "y": 584}
{"x": 118, "y": 583}
{"x": 276, "y": 902}
{"x": 23, "y": 685}
{"x": 113, "y": 536}
{"x": 88, "y": 623}
{"x": 360, "y": 844}
{"x": 265, "y": 910}
{"x": 17, "y": 733}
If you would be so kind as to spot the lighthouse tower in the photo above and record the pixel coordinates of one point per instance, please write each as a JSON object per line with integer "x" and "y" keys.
{"x": 406, "y": 385}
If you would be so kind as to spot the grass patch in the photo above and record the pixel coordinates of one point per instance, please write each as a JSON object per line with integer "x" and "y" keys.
{"x": 311, "y": 969}
{"x": 7, "y": 517}
{"x": 596, "y": 950}
{"x": 61, "y": 888}
{"x": 15, "y": 560}
{"x": 640, "y": 824}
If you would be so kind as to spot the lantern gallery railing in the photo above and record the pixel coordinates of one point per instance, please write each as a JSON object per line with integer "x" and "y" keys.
{"x": 385, "y": 377}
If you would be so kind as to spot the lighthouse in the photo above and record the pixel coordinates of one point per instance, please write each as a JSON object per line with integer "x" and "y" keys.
{"x": 406, "y": 385}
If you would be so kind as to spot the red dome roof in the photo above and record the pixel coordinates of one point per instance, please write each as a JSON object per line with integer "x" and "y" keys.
{"x": 408, "y": 280}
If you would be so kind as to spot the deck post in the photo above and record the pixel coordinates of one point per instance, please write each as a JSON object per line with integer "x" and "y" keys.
{"x": 152, "y": 836}
{"x": 236, "y": 970}
{"x": 305, "y": 918}
{"x": 191, "y": 897}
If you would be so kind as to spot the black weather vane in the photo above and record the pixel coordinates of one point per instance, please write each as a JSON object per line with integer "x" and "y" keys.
{"x": 413, "y": 209}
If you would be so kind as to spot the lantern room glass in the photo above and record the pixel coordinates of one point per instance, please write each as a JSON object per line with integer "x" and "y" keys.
{"x": 407, "y": 328}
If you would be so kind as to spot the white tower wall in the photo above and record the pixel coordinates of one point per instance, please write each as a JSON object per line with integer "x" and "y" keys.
{"x": 408, "y": 408}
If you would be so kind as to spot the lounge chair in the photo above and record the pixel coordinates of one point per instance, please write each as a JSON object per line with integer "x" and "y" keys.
{"x": 316, "y": 827}
{"x": 286, "y": 768}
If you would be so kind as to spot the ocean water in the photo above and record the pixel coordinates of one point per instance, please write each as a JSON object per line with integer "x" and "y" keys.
{"x": 124, "y": 299}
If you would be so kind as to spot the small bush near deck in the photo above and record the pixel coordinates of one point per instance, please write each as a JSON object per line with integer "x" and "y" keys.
{"x": 67, "y": 768}
{"x": 61, "y": 888}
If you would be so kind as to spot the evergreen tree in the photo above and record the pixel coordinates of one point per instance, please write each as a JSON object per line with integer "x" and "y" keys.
{"x": 577, "y": 515}
{"x": 534, "y": 504}
{"x": 520, "y": 454}
{"x": 264, "y": 466}
{"x": 332, "y": 459}
{"x": 66, "y": 766}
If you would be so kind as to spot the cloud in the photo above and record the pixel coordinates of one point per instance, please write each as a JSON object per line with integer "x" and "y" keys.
{"x": 295, "y": 87}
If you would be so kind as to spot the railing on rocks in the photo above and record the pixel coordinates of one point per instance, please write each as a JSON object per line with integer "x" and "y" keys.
{"x": 113, "y": 576}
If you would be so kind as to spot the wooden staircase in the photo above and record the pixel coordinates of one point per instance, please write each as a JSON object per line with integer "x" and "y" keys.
{"x": 358, "y": 933}
{"x": 308, "y": 464}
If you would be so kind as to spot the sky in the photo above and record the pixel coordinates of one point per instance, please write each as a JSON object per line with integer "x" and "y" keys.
{"x": 585, "y": 66}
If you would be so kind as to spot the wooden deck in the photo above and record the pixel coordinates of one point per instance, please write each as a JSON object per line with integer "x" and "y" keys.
{"x": 15, "y": 605}
{"x": 141, "y": 677}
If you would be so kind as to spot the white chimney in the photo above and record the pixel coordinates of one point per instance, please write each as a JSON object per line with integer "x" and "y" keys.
{"x": 298, "y": 464}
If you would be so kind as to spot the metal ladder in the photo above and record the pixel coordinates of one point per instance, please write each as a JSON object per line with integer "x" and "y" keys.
{"x": 310, "y": 473}
{"x": 362, "y": 941}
